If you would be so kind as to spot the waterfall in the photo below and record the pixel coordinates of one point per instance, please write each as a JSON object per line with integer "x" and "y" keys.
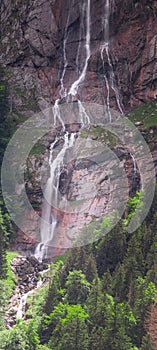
{"x": 107, "y": 87}
{"x": 134, "y": 167}
{"x": 49, "y": 220}
{"x": 23, "y": 300}
{"x": 22, "y": 304}
{"x": 134, "y": 164}
{"x": 74, "y": 88}
{"x": 83, "y": 9}
{"x": 63, "y": 90}
{"x": 84, "y": 118}
{"x": 105, "y": 46}
{"x": 51, "y": 194}
{"x": 57, "y": 115}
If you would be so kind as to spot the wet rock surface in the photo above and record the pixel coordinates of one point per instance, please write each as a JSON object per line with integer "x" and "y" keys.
{"x": 86, "y": 189}
{"x": 33, "y": 52}
{"x": 33, "y": 33}
{"x": 28, "y": 272}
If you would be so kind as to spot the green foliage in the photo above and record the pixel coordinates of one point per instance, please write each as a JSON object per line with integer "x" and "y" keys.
{"x": 79, "y": 258}
{"x": 39, "y": 148}
{"x": 146, "y": 114}
{"x": 4, "y": 296}
{"x": 77, "y": 288}
{"x": 97, "y": 297}
{"x": 10, "y": 280}
{"x": 23, "y": 336}
{"x": 70, "y": 330}
{"x": 111, "y": 249}
{"x": 3, "y": 235}
{"x": 135, "y": 203}
{"x": 146, "y": 343}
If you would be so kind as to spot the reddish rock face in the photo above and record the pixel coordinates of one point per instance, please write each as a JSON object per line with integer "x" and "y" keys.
{"x": 41, "y": 31}
{"x": 49, "y": 40}
{"x": 86, "y": 196}
{"x": 134, "y": 52}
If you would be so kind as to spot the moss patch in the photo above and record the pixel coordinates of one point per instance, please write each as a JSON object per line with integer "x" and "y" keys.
{"x": 10, "y": 282}
{"x": 100, "y": 134}
{"x": 39, "y": 148}
{"x": 146, "y": 114}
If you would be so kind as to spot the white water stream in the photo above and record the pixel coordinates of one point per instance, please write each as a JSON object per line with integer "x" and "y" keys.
{"x": 83, "y": 11}
{"x": 74, "y": 87}
{"x": 63, "y": 90}
{"x": 111, "y": 81}
{"x": 22, "y": 304}
{"x": 49, "y": 220}
{"x": 134, "y": 170}
{"x": 23, "y": 300}
{"x": 51, "y": 193}
{"x": 84, "y": 118}
{"x": 134, "y": 164}
{"x": 57, "y": 114}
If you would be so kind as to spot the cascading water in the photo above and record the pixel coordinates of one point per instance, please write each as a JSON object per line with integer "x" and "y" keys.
{"x": 111, "y": 81}
{"x": 134, "y": 164}
{"x": 84, "y": 118}
{"x": 57, "y": 115}
{"x": 23, "y": 300}
{"x": 49, "y": 220}
{"x": 74, "y": 87}
{"x": 134, "y": 171}
{"x": 63, "y": 90}
{"x": 108, "y": 89}
{"x": 51, "y": 193}
{"x": 22, "y": 304}
{"x": 83, "y": 11}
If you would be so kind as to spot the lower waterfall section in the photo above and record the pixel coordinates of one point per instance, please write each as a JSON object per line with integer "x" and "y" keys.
{"x": 83, "y": 171}
{"x": 72, "y": 91}
{"x": 51, "y": 195}
{"x": 49, "y": 220}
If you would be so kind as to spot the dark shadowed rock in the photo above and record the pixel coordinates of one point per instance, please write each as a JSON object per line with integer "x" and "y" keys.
{"x": 38, "y": 30}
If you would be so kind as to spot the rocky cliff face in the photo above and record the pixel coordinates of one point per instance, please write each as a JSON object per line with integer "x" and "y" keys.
{"x": 34, "y": 34}
{"x": 90, "y": 188}
{"x": 44, "y": 51}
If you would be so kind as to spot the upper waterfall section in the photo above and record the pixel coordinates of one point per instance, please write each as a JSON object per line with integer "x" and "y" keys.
{"x": 40, "y": 39}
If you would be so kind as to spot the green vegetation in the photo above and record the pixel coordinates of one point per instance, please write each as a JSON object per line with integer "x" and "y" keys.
{"x": 61, "y": 257}
{"x": 10, "y": 280}
{"x": 98, "y": 296}
{"x": 146, "y": 114}
{"x": 7, "y": 284}
{"x": 39, "y": 148}
{"x": 100, "y": 134}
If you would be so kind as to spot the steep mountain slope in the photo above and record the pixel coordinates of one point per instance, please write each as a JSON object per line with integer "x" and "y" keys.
{"x": 36, "y": 36}
{"x": 59, "y": 51}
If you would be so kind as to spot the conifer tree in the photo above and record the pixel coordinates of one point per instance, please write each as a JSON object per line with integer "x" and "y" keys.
{"x": 146, "y": 343}
{"x": 107, "y": 286}
{"x": 77, "y": 288}
{"x": 3, "y": 235}
{"x": 111, "y": 249}
{"x": 90, "y": 269}
{"x": 71, "y": 328}
{"x": 118, "y": 283}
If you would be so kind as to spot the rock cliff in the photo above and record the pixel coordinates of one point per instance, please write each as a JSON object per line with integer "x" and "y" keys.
{"x": 37, "y": 34}
{"x": 44, "y": 49}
